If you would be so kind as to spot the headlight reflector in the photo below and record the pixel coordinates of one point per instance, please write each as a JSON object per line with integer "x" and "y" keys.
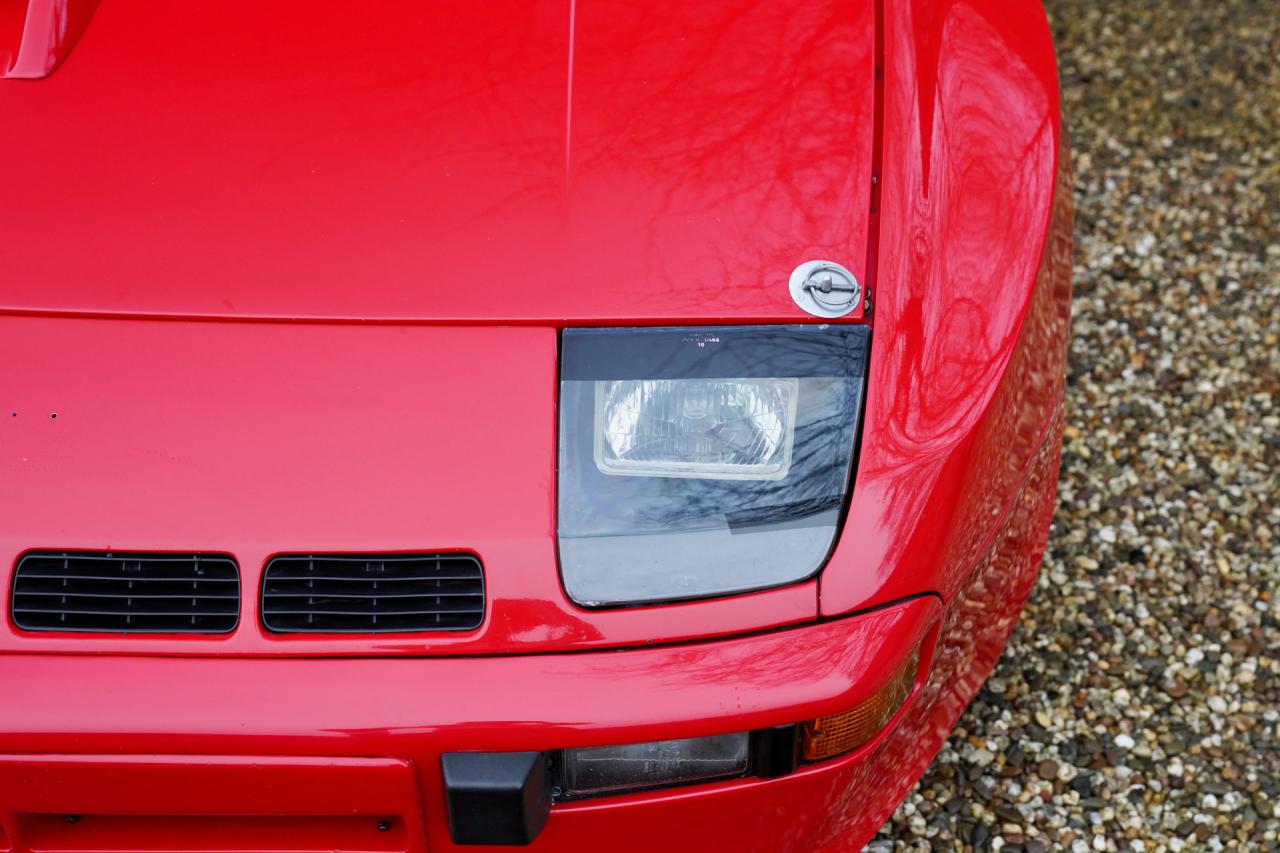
{"x": 701, "y": 462}
{"x": 710, "y": 428}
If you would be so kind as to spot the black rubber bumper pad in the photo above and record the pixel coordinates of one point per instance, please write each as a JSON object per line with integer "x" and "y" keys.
{"x": 496, "y": 797}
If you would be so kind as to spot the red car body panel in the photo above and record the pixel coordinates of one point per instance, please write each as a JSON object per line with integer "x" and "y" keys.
{"x": 437, "y": 163}
{"x": 972, "y": 297}
{"x": 259, "y": 438}
{"x": 142, "y": 717}
{"x": 36, "y": 36}
{"x": 227, "y": 802}
{"x": 437, "y": 193}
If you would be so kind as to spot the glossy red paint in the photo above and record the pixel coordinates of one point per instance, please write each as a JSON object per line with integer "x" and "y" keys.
{"x": 437, "y": 194}
{"x": 132, "y": 717}
{"x": 660, "y": 160}
{"x": 982, "y": 362}
{"x": 261, "y": 438}
{"x": 972, "y": 297}
{"x": 37, "y": 35}
{"x": 415, "y": 709}
{"x": 226, "y": 802}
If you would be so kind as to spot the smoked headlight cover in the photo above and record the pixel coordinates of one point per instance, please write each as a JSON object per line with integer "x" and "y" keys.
{"x": 701, "y": 462}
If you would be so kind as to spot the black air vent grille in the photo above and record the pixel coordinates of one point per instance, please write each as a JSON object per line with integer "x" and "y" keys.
{"x": 126, "y": 593}
{"x": 372, "y": 593}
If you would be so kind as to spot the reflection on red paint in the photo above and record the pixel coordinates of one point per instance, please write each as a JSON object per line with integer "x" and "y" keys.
{"x": 409, "y": 161}
{"x": 36, "y": 36}
{"x": 970, "y": 316}
{"x": 425, "y": 187}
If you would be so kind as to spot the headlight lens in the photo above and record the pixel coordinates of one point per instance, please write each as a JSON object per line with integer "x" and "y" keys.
{"x": 718, "y": 429}
{"x": 699, "y": 462}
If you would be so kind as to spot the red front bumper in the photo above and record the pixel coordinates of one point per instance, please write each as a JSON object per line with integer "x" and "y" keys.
{"x": 230, "y": 754}
{"x": 117, "y": 752}
{"x": 297, "y": 754}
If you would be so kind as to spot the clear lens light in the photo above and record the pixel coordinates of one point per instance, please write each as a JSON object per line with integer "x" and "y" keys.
{"x": 716, "y": 429}
{"x": 609, "y": 769}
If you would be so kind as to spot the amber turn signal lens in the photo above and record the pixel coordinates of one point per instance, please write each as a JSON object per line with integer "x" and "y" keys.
{"x": 836, "y": 734}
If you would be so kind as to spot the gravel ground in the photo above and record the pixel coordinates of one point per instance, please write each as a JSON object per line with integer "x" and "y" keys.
{"x": 1138, "y": 704}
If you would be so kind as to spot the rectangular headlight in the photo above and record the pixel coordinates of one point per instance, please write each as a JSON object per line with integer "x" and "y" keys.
{"x": 717, "y": 429}
{"x": 611, "y": 769}
{"x": 702, "y": 462}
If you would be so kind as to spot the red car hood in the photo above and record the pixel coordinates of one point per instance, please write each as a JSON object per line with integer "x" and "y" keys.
{"x": 505, "y": 161}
